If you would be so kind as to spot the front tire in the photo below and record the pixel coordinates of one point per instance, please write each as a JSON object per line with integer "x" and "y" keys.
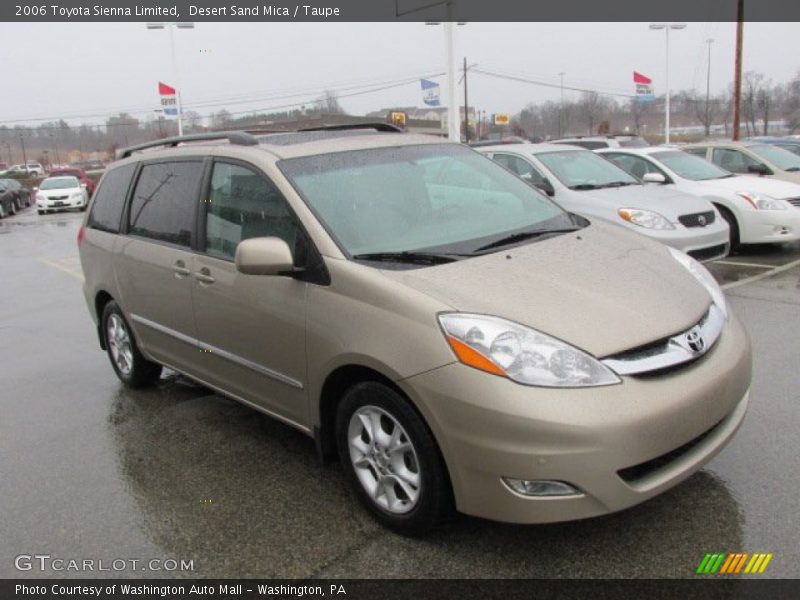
{"x": 391, "y": 459}
{"x": 133, "y": 369}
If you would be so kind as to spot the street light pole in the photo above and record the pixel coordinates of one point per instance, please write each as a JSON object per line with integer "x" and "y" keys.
{"x": 666, "y": 27}
{"x": 709, "y": 41}
{"x": 171, "y": 27}
{"x": 561, "y": 107}
{"x": 452, "y": 108}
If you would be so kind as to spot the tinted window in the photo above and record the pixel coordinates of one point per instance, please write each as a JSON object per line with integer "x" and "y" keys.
{"x": 701, "y": 152}
{"x": 732, "y": 160}
{"x": 242, "y": 205}
{"x": 163, "y": 205}
{"x": 635, "y": 165}
{"x": 519, "y": 166}
{"x": 109, "y": 199}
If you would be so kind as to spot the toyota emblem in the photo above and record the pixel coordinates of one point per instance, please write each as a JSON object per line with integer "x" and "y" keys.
{"x": 695, "y": 340}
{"x": 701, "y": 220}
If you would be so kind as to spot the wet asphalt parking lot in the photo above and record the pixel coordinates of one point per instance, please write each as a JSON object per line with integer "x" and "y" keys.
{"x": 89, "y": 469}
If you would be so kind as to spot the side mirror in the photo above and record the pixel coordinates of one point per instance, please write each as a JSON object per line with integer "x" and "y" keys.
{"x": 759, "y": 170}
{"x": 264, "y": 256}
{"x": 83, "y": 185}
{"x": 654, "y": 178}
{"x": 546, "y": 187}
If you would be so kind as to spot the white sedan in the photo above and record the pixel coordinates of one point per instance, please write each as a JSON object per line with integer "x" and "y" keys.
{"x": 759, "y": 210}
{"x": 61, "y": 193}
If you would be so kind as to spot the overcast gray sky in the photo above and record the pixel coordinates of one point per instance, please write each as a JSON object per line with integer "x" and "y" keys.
{"x": 70, "y": 70}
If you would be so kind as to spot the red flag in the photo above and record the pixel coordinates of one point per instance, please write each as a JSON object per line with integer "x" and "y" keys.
{"x": 165, "y": 90}
{"x": 639, "y": 78}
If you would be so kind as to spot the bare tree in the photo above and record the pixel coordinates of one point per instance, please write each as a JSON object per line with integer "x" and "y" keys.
{"x": 752, "y": 88}
{"x": 791, "y": 104}
{"x": 639, "y": 109}
{"x": 192, "y": 119}
{"x": 329, "y": 103}
{"x": 590, "y": 108}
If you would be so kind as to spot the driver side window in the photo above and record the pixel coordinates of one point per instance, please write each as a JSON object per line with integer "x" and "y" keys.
{"x": 732, "y": 160}
{"x": 520, "y": 167}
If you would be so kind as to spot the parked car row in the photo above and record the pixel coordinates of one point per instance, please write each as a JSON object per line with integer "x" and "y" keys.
{"x": 13, "y": 197}
{"x": 456, "y": 337}
{"x": 753, "y": 200}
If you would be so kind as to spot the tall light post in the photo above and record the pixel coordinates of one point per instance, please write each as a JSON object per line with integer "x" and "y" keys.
{"x": 561, "y": 106}
{"x": 709, "y": 41}
{"x": 453, "y": 122}
{"x": 666, "y": 27}
{"x": 172, "y": 26}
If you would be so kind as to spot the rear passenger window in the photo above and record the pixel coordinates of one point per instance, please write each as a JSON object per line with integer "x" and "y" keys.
{"x": 242, "y": 205}
{"x": 109, "y": 199}
{"x": 163, "y": 205}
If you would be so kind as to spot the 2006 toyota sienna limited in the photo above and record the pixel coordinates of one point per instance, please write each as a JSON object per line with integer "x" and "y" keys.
{"x": 459, "y": 340}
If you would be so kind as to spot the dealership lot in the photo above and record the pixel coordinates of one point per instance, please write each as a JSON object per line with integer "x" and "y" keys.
{"x": 91, "y": 470}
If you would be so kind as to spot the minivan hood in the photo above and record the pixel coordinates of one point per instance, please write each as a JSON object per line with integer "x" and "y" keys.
{"x": 602, "y": 289}
{"x": 748, "y": 183}
{"x": 670, "y": 203}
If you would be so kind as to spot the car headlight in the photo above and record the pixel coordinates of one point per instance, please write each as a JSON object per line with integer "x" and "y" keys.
{"x": 77, "y": 195}
{"x": 645, "y": 218}
{"x": 702, "y": 275}
{"x": 762, "y": 201}
{"x": 522, "y": 354}
{"x": 40, "y": 197}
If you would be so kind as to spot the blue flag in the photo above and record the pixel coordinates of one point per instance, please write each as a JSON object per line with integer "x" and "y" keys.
{"x": 430, "y": 92}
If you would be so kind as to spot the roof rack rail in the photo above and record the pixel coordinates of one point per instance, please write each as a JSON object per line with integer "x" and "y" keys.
{"x": 378, "y": 126}
{"x": 240, "y": 138}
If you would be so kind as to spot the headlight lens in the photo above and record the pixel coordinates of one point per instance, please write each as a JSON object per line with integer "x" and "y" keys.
{"x": 77, "y": 194}
{"x": 40, "y": 196}
{"x": 702, "y": 275}
{"x": 763, "y": 202}
{"x": 645, "y": 218}
{"x": 522, "y": 354}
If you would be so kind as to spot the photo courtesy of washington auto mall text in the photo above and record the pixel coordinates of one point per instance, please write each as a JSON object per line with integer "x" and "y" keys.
{"x": 399, "y": 299}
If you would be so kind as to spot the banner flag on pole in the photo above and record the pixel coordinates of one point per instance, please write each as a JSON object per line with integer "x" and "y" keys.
{"x": 644, "y": 87}
{"x": 430, "y": 92}
{"x": 169, "y": 99}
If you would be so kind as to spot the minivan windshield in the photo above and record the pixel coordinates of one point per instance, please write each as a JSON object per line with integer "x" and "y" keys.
{"x": 584, "y": 170}
{"x": 411, "y": 202}
{"x": 690, "y": 166}
{"x": 780, "y": 157}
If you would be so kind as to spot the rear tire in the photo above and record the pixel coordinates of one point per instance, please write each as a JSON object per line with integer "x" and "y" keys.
{"x": 391, "y": 460}
{"x": 733, "y": 224}
{"x": 133, "y": 369}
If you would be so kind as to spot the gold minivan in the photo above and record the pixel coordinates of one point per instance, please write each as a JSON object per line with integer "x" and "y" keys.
{"x": 458, "y": 340}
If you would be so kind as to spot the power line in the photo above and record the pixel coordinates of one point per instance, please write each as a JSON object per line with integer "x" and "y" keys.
{"x": 547, "y": 84}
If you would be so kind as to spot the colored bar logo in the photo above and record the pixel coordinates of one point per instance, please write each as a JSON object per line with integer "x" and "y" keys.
{"x": 734, "y": 562}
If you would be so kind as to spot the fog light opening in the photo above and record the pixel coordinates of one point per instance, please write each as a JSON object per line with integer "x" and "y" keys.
{"x": 541, "y": 487}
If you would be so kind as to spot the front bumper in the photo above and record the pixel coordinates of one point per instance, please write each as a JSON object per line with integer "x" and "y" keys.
{"x": 769, "y": 226}
{"x": 60, "y": 204}
{"x": 704, "y": 243}
{"x": 489, "y": 427}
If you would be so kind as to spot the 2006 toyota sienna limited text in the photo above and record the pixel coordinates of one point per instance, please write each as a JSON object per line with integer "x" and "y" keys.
{"x": 455, "y": 336}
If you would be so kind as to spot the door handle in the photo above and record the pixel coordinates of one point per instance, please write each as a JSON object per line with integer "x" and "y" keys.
{"x": 204, "y": 276}
{"x": 180, "y": 269}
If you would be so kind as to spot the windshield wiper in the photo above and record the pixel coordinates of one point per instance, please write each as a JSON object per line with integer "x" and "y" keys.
{"x": 584, "y": 186}
{"x": 618, "y": 184}
{"x": 426, "y": 258}
{"x": 523, "y": 235}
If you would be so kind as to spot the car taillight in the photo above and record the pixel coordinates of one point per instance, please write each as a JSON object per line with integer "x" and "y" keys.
{"x": 81, "y": 234}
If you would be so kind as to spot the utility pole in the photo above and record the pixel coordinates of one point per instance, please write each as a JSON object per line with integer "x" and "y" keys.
{"x": 466, "y": 105}
{"x": 737, "y": 76}
{"x": 452, "y": 108}
{"x": 24, "y": 156}
{"x": 561, "y": 107}
{"x": 709, "y": 41}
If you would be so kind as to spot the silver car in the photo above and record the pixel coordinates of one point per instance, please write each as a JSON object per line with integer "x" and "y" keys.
{"x": 587, "y": 184}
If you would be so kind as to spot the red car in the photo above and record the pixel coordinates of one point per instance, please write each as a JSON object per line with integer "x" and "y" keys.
{"x": 75, "y": 172}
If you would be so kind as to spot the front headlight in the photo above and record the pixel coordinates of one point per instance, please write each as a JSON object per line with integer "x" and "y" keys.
{"x": 77, "y": 195}
{"x": 40, "y": 196}
{"x": 522, "y": 354}
{"x": 645, "y": 218}
{"x": 763, "y": 202}
{"x": 702, "y": 275}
